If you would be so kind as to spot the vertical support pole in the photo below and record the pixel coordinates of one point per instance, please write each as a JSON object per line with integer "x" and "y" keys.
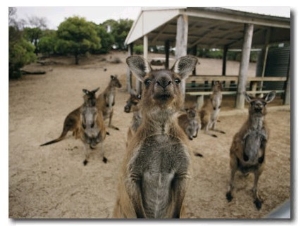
{"x": 195, "y": 54}
{"x": 265, "y": 56}
{"x": 244, "y": 65}
{"x": 181, "y": 36}
{"x": 181, "y": 41}
{"x": 287, "y": 87}
{"x": 167, "y": 52}
{"x": 129, "y": 73}
{"x": 225, "y": 50}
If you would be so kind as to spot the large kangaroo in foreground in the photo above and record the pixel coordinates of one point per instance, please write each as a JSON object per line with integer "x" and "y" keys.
{"x": 106, "y": 99}
{"x": 248, "y": 148}
{"x": 157, "y": 165}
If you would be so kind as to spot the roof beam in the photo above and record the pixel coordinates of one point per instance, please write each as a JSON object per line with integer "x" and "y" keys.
{"x": 217, "y": 14}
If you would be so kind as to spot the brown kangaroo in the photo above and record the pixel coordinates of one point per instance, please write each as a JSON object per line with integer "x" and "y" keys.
{"x": 157, "y": 166}
{"x": 210, "y": 110}
{"x": 248, "y": 148}
{"x": 70, "y": 124}
{"x": 91, "y": 127}
{"x": 132, "y": 102}
{"x": 132, "y": 105}
{"x": 106, "y": 99}
{"x": 189, "y": 123}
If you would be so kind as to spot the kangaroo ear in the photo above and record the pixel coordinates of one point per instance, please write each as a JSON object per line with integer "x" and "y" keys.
{"x": 185, "y": 65}
{"x": 86, "y": 91}
{"x": 270, "y": 96}
{"x": 139, "y": 66}
{"x": 95, "y": 90}
{"x": 248, "y": 97}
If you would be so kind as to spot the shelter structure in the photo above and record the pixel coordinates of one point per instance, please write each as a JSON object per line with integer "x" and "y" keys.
{"x": 210, "y": 27}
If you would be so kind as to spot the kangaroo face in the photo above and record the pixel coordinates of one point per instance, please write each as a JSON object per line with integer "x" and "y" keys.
{"x": 161, "y": 87}
{"x": 114, "y": 81}
{"x": 191, "y": 113}
{"x": 257, "y": 106}
{"x": 133, "y": 100}
{"x": 90, "y": 97}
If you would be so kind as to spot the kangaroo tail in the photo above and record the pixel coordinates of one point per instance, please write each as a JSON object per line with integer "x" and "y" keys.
{"x": 62, "y": 136}
{"x": 52, "y": 141}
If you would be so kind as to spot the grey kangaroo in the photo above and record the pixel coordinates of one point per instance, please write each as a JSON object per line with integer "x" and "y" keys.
{"x": 248, "y": 148}
{"x": 157, "y": 165}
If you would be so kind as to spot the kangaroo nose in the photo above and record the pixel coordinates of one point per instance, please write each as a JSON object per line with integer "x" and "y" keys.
{"x": 258, "y": 107}
{"x": 164, "y": 82}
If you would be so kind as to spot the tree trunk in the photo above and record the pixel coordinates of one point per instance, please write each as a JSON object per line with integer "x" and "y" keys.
{"x": 76, "y": 59}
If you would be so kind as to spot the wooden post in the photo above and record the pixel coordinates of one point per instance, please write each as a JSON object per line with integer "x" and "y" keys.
{"x": 195, "y": 54}
{"x": 167, "y": 52}
{"x": 225, "y": 50}
{"x": 181, "y": 36}
{"x": 181, "y": 41}
{"x": 265, "y": 56}
{"x": 242, "y": 81}
{"x": 129, "y": 73}
{"x": 287, "y": 87}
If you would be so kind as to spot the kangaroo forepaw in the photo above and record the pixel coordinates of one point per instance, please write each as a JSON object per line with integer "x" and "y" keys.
{"x": 258, "y": 203}
{"x": 104, "y": 160}
{"x": 229, "y": 196}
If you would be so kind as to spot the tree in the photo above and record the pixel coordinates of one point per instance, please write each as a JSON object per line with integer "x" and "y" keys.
{"x": 34, "y": 30}
{"x": 21, "y": 52}
{"x": 107, "y": 39}
{"x": 120, "y": 30}
{"x": 47, "y": 43}
{"x": 76, "y": 36}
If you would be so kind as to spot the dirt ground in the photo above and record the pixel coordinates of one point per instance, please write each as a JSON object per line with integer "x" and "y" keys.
{"x": 51, "y": 181}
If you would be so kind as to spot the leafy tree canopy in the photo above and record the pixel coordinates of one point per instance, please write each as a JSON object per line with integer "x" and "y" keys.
{"x": 77, "y": 36}
{"x": 119, "y": 30}
{"x": 21, "y": 52}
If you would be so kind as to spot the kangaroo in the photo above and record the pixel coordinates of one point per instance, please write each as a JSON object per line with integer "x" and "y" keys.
{"x": 70, "y": 124}
{"x": 210, "y": 110}
{"x": 91, "y": 129}
{"x": 131, "y": 103}
{"x": 248, "y": 148}
{"x": 157, "y": 166}
{"x": 106, "y": 99}
{"x": 189, "y": 123}
{"x": 132, "y": 106}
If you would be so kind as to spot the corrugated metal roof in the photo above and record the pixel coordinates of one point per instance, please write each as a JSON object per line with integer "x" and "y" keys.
{"x": 209, "y": 27}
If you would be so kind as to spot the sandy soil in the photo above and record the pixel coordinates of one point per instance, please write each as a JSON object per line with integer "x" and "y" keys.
{"x": 51, "y": 181}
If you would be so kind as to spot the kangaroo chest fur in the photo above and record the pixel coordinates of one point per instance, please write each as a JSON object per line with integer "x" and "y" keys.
{"x": 91, "y": 130}
{"x": 158, "y": 163}
{"x": 254, "y": 139}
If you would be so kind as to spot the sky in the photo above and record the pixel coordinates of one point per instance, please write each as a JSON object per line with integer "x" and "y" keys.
{"x": 56, "y": 14}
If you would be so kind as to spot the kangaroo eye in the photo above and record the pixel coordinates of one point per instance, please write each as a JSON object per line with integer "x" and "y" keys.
{"x": 177, "y": 81}
{"x": 147, "y": 82}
